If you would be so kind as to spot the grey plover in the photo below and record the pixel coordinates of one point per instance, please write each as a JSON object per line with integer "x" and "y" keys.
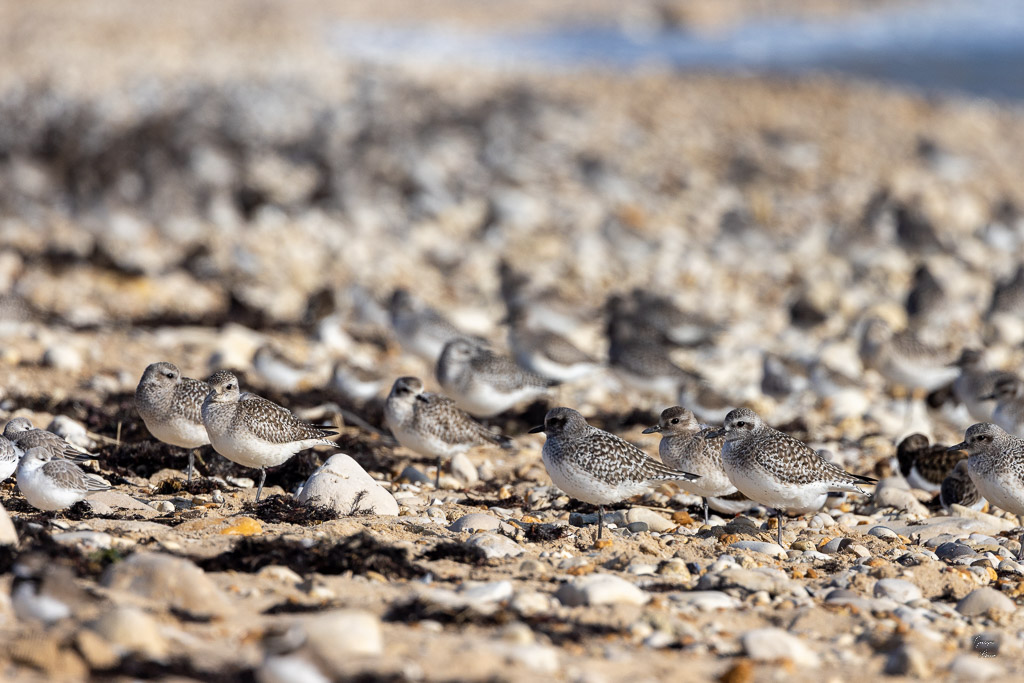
{"x": 958, "y": 488}
{"x": 904, "y": 360}
{"x": 52, "y": 483}
{"x": 660, "y": 313}
{"x": 597, "y": 467}
{"x": 539, "y": 306}
{"x": 685, "y": 445}
{"x": 420, "y": 329}
{"x": 484, "y": 383}
{"x": 1008, "y": 394}
{"x": 432, "y": 425}
{"x": 8, "y": 458}
{"x": 925, "y": 465}
{"x": 995, "y": 461}
{"x": 547, "y": 353}
{"x": 640, "y": 358}
{"x": 252, "y": 431}
{"x": 976, "y": 384}
{"x": 24, "y": 436}
{"x": 776, "y": 470}
{"x": 171, "y": 406}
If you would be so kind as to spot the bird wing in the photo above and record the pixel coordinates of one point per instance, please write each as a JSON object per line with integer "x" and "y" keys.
{"x": 67, "y": 474}
{"x": 276, "y": 424}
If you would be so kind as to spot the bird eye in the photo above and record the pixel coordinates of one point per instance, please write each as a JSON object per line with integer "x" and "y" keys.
{"x": 675, "y": 420}
{"x": 741, "y": 423}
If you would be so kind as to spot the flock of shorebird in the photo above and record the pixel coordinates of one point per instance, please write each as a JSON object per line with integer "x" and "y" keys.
{"x": 743, "y": 462}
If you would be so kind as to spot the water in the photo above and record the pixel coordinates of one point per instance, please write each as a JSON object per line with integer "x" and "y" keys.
{"x": 973, "y": 47}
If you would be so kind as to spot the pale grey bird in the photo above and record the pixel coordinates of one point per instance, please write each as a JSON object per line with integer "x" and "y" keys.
{"x": 250, "y": 430}
{"x": 50, "y": 483}
{"x": 904, "y": 360}
{"x": 420, "y": 329}
{"x": 484, "y": 383}
{"x": 432, "y": 425}
{"x": 995, "y": 461}
{"x": 547, "y": 353}
{"x": 171, "y": 406}
{"x": 597, "y": 467}
{"x": 776, "y": 470}
{"x": 25, "y": 437}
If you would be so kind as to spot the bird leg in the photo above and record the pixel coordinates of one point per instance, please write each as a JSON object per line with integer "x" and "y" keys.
{"x": 778, "y": 516}
{"x": 263, "y": 478}
{"x": 600, "y": 521}
{"x": 437, "y": 475}
{"x": 706, "y": 517}
{"x": 1020, "y": 552}
{"x": 191, "y": 464}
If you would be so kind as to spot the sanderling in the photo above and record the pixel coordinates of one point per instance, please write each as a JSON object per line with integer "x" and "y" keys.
{"x": 547, "y": 353}
{"x": 776, "y": 470}
{"x": 976, "y": 384}
{"x": 420, "y": 329}
{"x": 252, "y": 431}
{"x": 484, "y": 383}
{"x": 8, "y": 458}
{"x": 172, "y": 408}
{"x": 995, "y": 461}
{"x": 431, "y": 425}
{"x": 52, "y": 483}
{"x": 925, "y": 465}
{"x": 904, "y": 360}
{"x": 24, "y": 436}
{"x": 958, "y": 488}
{"x": 597, "y": 467}
{"x": 685, "y": 445}
{"x": 1008, "y": 394}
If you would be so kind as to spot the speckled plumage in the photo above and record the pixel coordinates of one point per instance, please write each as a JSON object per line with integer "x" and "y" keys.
{"x": 686, "y": 445}
{"x": 420, "y": 329}
{"x": 996, "y": 464}
{"x": 1008, "y": 393}
{"x": 172, "y": 407}
{"x": 52, "y": 483}
{"x": 597, "y": 467}
{"x": 431, "y": 424}
{"x": 776, "y": 470}
{"x": 903, "y": 359}
{"x": 958, "y": 488}
{"x": 976, "y": 383}
{"x": 484, "y": 383}
{"x": 547, "y": 353}
{"x": 25, "y": 437}
{"x": 252, "y": 431}
{"x": 926, "y": 465}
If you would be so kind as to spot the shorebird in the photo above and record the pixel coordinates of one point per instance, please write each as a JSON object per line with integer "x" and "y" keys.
{"x": 25, "y": 437}
{"x": 958, "y": 488}
{"x": 776, "y": 470}
{"x": 9, "y": 458}
{"x": 685, "y": 445}
{"x": 925, "y": 466}
{"x": 1008, "y": 394}
{"x": 52, "y": 483}
{"x": 171, "y": 406}
{"x": 420, "y": 329}
{"x": 995, "y": 462}
{"x": 432, "y": 425}
{"x": 597, "y": 467}
{"x": 484, "y": 383}
{"x": 904, "y": 360}
{"x": 975, "y": 387}
{"x": 547, "y": 353}
{"x": 250, "y": 430}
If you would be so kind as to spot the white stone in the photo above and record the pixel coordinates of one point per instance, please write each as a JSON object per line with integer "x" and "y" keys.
{"x": 63, "y": 357}
{"x": 290, "y": 669}
{"x": 493, "y": 591}
{"x": 462, "y": 468}
{"x": 654, "y": 521}
{"x": 981, "y": 600}
{"x": 773, "y": 549}
{"x": 600, "y": 589}
{"x": 772, "y": 644}
{"x": 495, "y": 546}
{"x": 71, "y": 431}
{"x": 974, "y": 668}
{"x": 171, "y": 582}
{"x": 707, "y": 600}
{"x": 132, "y": 630}
{"x": 342, "y": 485}
{"x": 475, "y": 521}
{"x": 338, "y": 635}
{"x": 899, "y": 590}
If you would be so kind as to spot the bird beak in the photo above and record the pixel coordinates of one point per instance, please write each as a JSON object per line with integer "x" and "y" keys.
{"x": 962, "y": 446}
{"x": 987, "y": 397}
{"x": 715, "y": 433}
{"x": 652, "y": 430}
{"x": 536, "y": 430}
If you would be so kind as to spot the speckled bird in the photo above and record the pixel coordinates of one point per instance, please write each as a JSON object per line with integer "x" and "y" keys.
{"x": 776, "y": 470}
{"x": 597, "y": 467}
{"x": 925, "y": 465}
{"x": 253, "y": 431}
{"x": 172, "y": 408}
{"x": 432, "y": 425}
{"x": 484, "y": 383}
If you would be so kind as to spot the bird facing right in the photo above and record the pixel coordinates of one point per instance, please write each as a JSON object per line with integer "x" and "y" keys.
{"x": 431, "y": 425}
{"x": 484, "y": 383}
{"x": 172, "y": 408}
{"x": 776, "y": 470}
{"x": 597, "y": 467}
